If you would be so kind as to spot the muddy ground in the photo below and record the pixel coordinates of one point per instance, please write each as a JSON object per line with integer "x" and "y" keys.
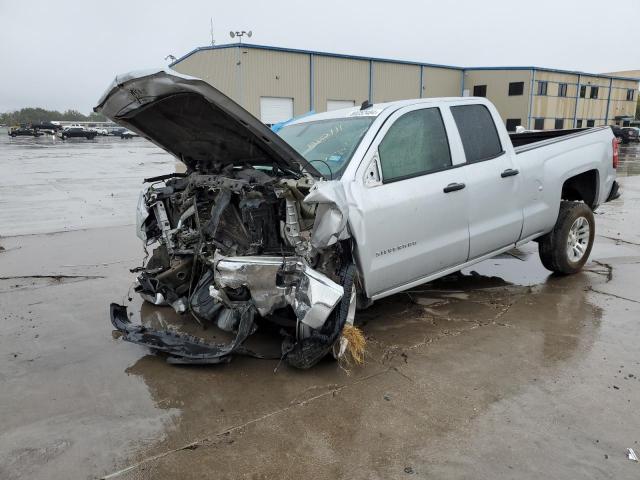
{"x": 502, "y": 371}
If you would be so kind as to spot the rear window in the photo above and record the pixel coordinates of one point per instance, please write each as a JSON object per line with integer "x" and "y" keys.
{"x": 478, "y": 132}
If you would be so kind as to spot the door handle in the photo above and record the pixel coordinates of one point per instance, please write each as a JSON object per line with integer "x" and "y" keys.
{"x": 509, "y": 172}
{"x": 452, "y": 187}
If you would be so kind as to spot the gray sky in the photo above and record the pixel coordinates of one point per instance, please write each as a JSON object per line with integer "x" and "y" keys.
{"x": 63, "y": 54}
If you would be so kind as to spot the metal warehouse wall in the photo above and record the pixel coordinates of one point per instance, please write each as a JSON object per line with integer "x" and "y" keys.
{"x": 217, "y": 67}
{"x": 497, "y": 82}
{"x": 245, "y": 73}
{"x": 395, "y": 81}
{"x": 266, "y": 73}
{"x": 441, "y": 82}
{"x": 339, "y": 79}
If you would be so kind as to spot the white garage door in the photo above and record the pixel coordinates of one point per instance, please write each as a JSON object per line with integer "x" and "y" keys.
{"x": 338, "y": 104}
{"x": 275, "y": 109}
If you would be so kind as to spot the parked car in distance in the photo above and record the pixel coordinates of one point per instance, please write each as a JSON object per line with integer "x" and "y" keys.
{"x": 128, "y": 134}
{"x": 340, "y": 208}
{"x": 77, "y": 132}
{"x": 116, "y": 131}
{"x": 630, "y": 134}
{"x": 100, "y": 131}
{"x": 23, "y": 131}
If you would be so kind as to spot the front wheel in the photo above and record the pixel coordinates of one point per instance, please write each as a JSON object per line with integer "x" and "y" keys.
{"x": 566, "y": 248}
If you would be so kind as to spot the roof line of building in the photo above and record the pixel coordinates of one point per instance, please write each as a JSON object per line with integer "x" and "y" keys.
{"x": 311, "y": 52}
{"x": 389, "y": 60}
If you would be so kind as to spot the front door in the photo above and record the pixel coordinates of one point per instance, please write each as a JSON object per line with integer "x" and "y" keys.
{"x": 412, "y": 218}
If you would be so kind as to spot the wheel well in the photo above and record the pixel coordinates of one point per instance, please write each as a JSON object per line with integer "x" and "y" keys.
{"x": 582, "y": 187}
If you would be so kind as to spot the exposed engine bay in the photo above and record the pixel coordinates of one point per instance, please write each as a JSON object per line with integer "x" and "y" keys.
{"x": 239, "y": 246}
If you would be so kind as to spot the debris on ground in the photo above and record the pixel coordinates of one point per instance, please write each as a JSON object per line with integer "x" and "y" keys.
{"x": 631, "y": 455}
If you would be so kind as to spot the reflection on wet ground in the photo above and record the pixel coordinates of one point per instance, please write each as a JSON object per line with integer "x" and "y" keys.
{"x": 629, "y": 159}
{"x": 499, "y": 371}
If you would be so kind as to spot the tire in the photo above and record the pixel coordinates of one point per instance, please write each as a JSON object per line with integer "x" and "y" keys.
{"x": 64, "y": 137}
{"x": 310, "y": 350}
{"x": 567, "y": 247}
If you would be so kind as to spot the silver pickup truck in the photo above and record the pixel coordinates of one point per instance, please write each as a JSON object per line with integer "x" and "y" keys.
{"x": 339, "y": 209}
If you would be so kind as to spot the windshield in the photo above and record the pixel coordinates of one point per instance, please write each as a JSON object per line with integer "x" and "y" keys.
{"x": 327, "y": 144}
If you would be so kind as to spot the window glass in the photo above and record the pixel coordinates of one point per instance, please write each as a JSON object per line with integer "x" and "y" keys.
{"x": 559, "y": 125}
{"x": 630, "y": 93}
{"x": 480, "y": 91}
{"x": 414, "y": 145}
{"x": 512, "y": 123}
{"x": 583, "y": 91}
{"x": 542, "y": 88}
{"x": 516, "y": 88}
{"x": 578, "y": 123}
{"x": 562, "y": 90}
{"x": 538, "y": 124}
{"x": 594, "y": 92}
{"x": 478, "y": 132}
{"x": 327, "y": 144}
{"x": 591, "y": 123}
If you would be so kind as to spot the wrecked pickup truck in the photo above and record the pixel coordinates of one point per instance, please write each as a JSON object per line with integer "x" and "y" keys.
{"x": 338, "y": 209}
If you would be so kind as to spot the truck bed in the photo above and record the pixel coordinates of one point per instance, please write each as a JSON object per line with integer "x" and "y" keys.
{"x": 523, "y": 142}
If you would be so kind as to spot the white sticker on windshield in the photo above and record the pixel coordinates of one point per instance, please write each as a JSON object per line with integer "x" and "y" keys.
{"x": 369, "y": 112}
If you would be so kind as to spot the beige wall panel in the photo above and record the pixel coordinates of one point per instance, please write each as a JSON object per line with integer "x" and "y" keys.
{"x": 268, "y": 73}
{"x": 339, "y": 79}
{"x": 217, "y": 67}
{"x": 497, "y": 82}
{"x": 395, "y": 81}
{"x": 441, "y": 82}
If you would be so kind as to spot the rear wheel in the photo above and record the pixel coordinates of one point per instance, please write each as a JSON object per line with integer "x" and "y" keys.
{"x": 64, "y": 137}
{"x": 566, "y": 248}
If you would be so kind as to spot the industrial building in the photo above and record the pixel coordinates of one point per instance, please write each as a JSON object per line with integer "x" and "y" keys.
{"x": 276, "y": 84}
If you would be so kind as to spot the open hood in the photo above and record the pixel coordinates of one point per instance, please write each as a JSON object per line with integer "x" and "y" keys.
{"x": 197, "y": 123}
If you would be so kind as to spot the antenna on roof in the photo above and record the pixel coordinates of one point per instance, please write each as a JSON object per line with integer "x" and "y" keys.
{"x": 366, "y": 104}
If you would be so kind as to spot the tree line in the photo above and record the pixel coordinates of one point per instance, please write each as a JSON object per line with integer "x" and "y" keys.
{"x": 35, "y": 115}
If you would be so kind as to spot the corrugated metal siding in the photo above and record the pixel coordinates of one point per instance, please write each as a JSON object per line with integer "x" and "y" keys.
{"x": 217, "y": 67}
{"x": 441, "y": 82}
{"x": 267, "y": 73}
{"x": 395, "y": 81}
{"x": 339, "y": 79}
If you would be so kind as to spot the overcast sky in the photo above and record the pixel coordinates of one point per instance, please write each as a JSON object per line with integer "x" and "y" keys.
{"x": 63, "y": 54}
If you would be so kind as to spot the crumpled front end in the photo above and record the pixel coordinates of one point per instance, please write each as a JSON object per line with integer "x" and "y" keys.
{"x": 239, "y": 248}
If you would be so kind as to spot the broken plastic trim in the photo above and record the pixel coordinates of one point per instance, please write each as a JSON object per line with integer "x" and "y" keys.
{"x": 182, "y": 348}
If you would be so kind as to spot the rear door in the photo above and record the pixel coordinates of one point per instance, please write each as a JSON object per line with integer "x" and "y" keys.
{"x": 411, "y": 221}
{"x": 495, "y": 212}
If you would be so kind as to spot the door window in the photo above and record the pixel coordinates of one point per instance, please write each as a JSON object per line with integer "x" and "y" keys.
{"x": 478, "y": 132}
{"x": 415, "y": 144}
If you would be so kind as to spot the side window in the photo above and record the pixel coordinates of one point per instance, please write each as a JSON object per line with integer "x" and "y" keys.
{"x": 478, "y": 132}
{"x": 415, "y": 144}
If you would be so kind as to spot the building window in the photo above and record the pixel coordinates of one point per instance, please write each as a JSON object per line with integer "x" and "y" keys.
{"x": 538, "y": 124}
{"x": 579, "y": 123}
{"x": 416, "y": 144}
{"x": 591, "y": 123}
{"x": 542, "y": 88}
{"x": 559, "y": 125}
{"x": 630, "y": 94}
{"x": 562, "y": 89}
{"x": 480, "y": 91}
{"x": 583, "y": 91}
{"x": 594, "y": 92}
{"x": 516, "y": 88}
{"x": 478, "y": 131}
{"x": 512, "y": 123}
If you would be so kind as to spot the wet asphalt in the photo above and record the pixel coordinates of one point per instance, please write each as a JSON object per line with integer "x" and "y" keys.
{"x": 501, "y": 371}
